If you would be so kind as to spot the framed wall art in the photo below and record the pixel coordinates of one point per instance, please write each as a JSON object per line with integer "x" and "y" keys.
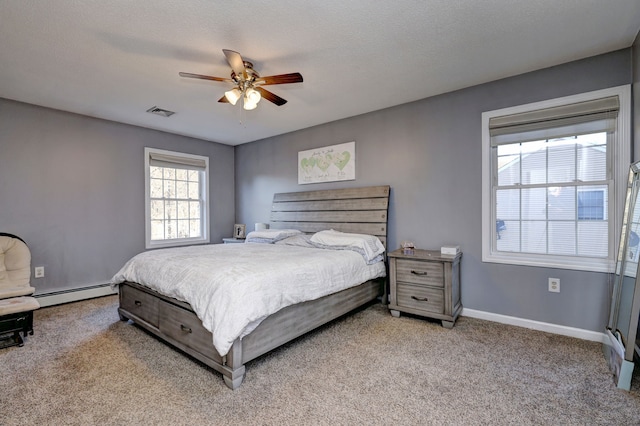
{"x": 327, "y": 164}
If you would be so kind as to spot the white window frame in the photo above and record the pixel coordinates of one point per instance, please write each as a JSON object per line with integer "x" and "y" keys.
{"x": 621, "y": 159}
{"x": 204, "y": 214}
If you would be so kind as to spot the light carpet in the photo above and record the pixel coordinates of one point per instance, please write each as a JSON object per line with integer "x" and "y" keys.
{"x": 83, "y": 366}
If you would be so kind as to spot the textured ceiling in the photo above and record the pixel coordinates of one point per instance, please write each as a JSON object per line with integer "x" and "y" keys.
{"x": 114, "y": 59}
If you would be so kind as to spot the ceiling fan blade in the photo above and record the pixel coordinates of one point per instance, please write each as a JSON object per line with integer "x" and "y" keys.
{"x": 224, "y": 99}
{"x": 204, "y": 77}
{"x": 294, "y": 77}
{"x": 235, "y": 61}
{"x": 271, "y": 97}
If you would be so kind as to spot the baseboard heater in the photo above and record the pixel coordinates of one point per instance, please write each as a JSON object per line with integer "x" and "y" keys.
{"x": 74, "y": 295}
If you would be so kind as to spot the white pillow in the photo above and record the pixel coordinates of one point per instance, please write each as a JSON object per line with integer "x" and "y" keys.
{"x": 270, "y": 236}
{"x": 369, "y": 246}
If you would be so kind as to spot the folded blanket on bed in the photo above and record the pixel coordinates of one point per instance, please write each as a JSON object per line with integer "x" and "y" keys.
{"x": 270, "y": 236}
{"x": 233, "y": 287}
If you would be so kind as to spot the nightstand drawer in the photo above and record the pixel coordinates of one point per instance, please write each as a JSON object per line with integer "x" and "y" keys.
{"x": 419, "y": 272}
{"x": 427, "y": 299}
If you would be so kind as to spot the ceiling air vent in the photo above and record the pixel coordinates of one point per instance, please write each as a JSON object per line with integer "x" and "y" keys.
{"x": 159, "y": 111}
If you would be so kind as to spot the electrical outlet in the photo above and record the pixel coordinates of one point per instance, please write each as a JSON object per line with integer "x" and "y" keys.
{"x": 554, "y": 285}
{"x": 39, "y": 272}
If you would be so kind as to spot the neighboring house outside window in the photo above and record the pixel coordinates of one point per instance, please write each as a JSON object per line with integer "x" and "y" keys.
{"x": 554, "y": 179}
{"x": 592, "y": 204}
{"x": 176, "y": 206}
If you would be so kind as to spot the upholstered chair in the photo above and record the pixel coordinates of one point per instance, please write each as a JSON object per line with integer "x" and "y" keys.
{"x": 16, "y": 303}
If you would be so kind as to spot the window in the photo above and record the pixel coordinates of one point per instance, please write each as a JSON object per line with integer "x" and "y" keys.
{"x": 591, "y": 204}
{"x": 554, "y": 179}
{"x": 176, "y": 206}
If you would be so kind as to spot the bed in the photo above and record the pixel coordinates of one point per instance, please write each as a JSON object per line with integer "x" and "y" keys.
{"x": 166, "y": 312}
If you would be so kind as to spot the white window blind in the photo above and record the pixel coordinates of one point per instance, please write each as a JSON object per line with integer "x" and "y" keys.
{"x": 165, "y": 159}
{"x": 595, "y": 115}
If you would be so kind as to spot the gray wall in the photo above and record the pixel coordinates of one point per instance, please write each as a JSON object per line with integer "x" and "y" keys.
{"x": 430, "y": 153}
{"x": 73, "y": 188}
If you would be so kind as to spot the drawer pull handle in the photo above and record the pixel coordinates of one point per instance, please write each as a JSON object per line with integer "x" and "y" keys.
{"x": 138, "y": 303}
{"x": 418, "y": 273}
{"x": 420, "y": 299}
{"x": 185, "y": 329}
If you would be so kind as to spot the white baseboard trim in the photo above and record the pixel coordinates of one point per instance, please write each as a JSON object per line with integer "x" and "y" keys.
{"x": 67, "y": 296}
{"x": 563, "y": 330}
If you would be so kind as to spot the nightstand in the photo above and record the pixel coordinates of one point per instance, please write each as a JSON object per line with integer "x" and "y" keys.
{"x": 233, "y": 240}
{"x": 425, "y": 283}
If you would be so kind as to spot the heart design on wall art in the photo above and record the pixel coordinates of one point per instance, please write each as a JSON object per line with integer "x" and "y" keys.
{"x": 341, "y": 160}
{"x": 307, "y": 164}
{"x": 324, "y": 162}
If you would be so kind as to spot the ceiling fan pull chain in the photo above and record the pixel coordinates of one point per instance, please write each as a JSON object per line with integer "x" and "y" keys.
{"x": 241, "y": 116}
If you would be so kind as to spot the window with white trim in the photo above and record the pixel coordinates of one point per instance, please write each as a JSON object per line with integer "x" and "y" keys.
{"x": 176, "y": 206}
{"x": 553, "y": 180}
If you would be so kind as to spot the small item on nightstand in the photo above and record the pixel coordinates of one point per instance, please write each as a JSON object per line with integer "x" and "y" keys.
{"x": 408, "y": 247}
{"x": 239, "y": 230}
{"x": 450, "y": 250}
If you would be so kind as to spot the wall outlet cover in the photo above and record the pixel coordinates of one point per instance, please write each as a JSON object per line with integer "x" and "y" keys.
{"x": 38, "y": 272}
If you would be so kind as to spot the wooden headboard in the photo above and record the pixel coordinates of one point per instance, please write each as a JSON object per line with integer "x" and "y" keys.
{"x": 356, "y": 210}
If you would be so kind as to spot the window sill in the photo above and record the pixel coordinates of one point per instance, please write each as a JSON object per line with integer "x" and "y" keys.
{"x": 559, "y": 262}
{"x": 175, "y": 243}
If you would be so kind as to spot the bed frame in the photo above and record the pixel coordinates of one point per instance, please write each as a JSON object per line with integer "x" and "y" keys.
{"x": 358, "y": 210}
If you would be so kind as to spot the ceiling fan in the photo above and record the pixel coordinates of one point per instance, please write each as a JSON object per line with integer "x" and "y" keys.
{"x": 248, "y": 83}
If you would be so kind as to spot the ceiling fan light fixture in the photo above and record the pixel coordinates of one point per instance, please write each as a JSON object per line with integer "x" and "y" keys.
{"x": 233, "y": 95}
{"x": 248, "y": 105}
{"x": 253, "y": 95}
{"x": 251, "y": 99}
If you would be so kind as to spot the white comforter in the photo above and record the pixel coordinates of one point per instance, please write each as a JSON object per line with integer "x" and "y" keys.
{"x": 233, "y": 287}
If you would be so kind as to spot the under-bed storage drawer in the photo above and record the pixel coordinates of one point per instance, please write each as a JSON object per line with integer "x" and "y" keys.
{"x": 185, "y": 327}
{"x": 140, "y": 304}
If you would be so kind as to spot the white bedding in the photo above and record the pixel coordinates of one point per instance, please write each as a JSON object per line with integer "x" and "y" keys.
{"x": 233, "y": 287}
